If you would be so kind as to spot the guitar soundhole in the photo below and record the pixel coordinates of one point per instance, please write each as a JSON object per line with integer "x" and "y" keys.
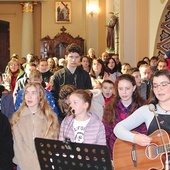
{"x": 151, "y": 151}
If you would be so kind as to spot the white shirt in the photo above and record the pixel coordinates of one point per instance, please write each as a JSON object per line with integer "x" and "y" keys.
{"x": 79, "y": 129}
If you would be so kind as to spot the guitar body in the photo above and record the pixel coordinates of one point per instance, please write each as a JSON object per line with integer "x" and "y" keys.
{"x": 127, "y": 155}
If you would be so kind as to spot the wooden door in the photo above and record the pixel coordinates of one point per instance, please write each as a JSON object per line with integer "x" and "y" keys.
{"x": 4, "y": 45}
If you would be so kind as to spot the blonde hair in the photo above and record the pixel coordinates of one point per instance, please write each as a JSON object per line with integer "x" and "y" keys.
{"x": 91, "y": 50}
{"x": 35, "y": 75}
{"x": 144, "y": 66}
{"x": 52, "y": 130}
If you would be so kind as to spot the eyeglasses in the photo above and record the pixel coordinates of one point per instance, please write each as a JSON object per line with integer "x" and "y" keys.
{"x": 162, "y": 85}
{"x": 14, "y": 65}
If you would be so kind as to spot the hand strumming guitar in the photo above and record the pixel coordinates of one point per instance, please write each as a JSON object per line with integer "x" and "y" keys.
{"x": 142, "y": 139}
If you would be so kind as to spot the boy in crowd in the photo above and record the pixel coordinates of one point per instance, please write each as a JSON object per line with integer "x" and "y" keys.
{"x": 71, "y": 74}
{"x": 146, "y": 73}
{"x": 45, "y": 70}
{"x": 108, "y": 90}
{"x": 162, "y": 64}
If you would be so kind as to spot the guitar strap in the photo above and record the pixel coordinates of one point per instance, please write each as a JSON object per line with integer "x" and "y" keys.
{"x": 164, "y": 121}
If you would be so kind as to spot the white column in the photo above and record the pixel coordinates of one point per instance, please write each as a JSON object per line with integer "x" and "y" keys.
{"x": 92, "y": 25}
{"x": 27, "y": 28}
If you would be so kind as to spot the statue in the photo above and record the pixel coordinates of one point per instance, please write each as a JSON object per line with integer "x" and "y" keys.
{"x": 110, "y": 31}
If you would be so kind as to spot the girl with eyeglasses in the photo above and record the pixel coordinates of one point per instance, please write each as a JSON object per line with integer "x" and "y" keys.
{"x": 159, "y": 103}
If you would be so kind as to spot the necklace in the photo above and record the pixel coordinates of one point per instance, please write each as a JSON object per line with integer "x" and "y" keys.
{"x": 166, "y": 110}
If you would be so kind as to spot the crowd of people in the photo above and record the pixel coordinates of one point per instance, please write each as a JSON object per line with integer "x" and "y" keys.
{"x": 85, "y": 98}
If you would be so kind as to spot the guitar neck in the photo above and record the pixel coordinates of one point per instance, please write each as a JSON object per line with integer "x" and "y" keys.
{"x": 162, "y": 150}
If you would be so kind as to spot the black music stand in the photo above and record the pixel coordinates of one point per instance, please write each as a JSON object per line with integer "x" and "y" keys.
{"x": 58, "y": 155}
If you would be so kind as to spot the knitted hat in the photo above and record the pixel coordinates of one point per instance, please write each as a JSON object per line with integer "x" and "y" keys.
{"x": 167, "y": 53}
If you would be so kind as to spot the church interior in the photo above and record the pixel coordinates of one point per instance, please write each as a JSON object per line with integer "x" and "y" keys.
{"x": 142, "y": 27}
{"x": 53, "y": 88}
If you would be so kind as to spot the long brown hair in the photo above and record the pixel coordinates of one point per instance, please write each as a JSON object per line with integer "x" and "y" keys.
{"x": 152, "y": 98}
{"x": 52, "y": 130}
{"x": 137, "y": 100}
{"x": 103, "y": 69}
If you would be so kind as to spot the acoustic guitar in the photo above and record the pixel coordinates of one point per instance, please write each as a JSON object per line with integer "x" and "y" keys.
{"x": 130, "y": 156}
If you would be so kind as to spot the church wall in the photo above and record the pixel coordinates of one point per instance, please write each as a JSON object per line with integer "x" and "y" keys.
{"x": 44, "y": 24}
{"x": 13, "y": 13}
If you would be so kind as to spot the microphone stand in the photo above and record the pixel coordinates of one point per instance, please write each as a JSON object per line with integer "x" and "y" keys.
{"x": 67, "y": 141}
{"x": 152, "y": 109}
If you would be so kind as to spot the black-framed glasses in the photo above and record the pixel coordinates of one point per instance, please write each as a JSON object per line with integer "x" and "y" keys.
{"x": 162, "y": 85}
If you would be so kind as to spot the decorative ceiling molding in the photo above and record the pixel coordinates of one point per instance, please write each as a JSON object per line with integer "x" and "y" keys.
{"x": 164, "y": 37}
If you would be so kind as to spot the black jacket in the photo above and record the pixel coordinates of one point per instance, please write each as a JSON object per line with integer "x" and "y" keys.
{"x": 46, "y": 76}
{"x": 6, "y": 144}
{"x": 80, "y": 79}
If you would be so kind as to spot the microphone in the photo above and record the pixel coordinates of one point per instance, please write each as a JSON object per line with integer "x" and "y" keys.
{"x": 152, "y": 109}
{"x": 69, "y": 111}
{"x": 67, "y": 139}
{"x": 73, "y": 113}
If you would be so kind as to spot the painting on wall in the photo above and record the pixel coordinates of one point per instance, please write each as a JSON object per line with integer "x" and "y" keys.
{"x": 62, "y": 11}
